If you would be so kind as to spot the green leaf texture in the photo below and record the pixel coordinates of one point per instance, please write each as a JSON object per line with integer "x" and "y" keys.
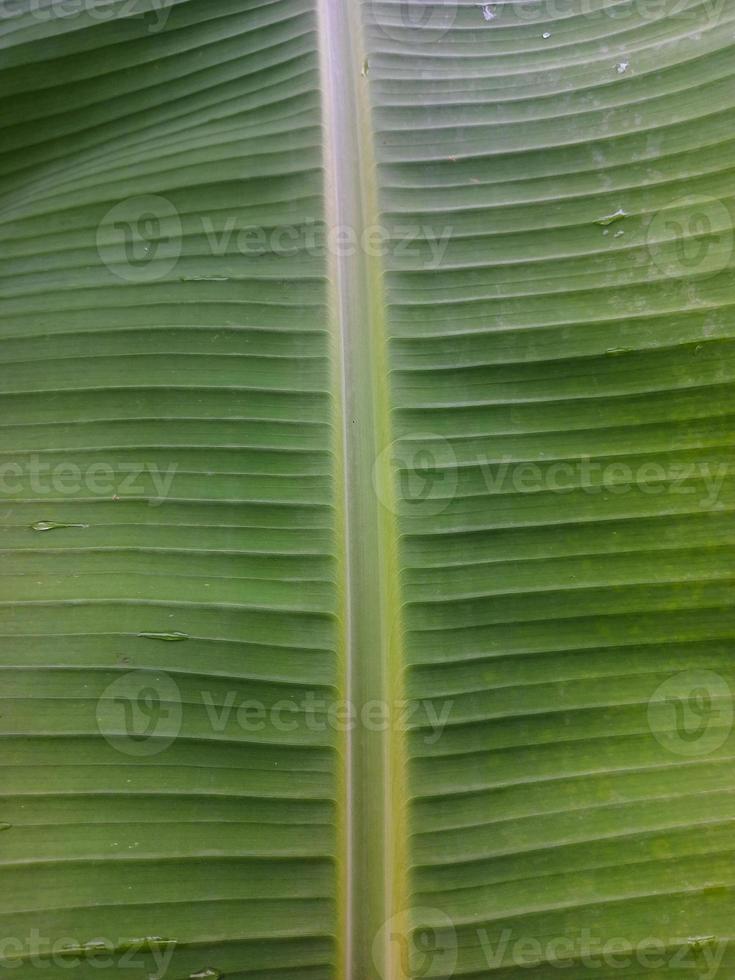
{"x": 215, "y": 370}
{"x": 562, "y": 392}
{"x": 480, "y": 475}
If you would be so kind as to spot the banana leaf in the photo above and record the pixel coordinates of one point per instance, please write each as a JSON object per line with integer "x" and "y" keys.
{"x": 366, "y": 490}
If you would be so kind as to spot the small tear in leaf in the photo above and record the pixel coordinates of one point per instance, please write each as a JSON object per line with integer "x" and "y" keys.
{"x": 622, "y": 67}
{"x": 365, "y": 67}
{"x": 5, "y": 826}
{"x": 206, "y": 975}
{"x": 53, "y": 526}
{"x": 97, "y": 946}
{"x": 697, "y": 942}
{"x": 610, "y": 219}
{"x": 167, "y": 637}
{"x": 616, "y": 351}
{"x": 205, "y": 279}
{"x": 487, "y": 12}
{"x": 145, "y": 945}
{"x": 88, "y": 950}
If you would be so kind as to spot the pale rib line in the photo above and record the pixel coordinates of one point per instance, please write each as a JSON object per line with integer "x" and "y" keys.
{"x": 337, "y": 304}
{"x": 372, "y": 884}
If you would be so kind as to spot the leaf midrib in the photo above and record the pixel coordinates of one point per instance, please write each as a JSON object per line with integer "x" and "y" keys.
{"x": 372, "y": 881}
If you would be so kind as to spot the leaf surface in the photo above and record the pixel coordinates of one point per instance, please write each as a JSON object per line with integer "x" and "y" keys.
{"x": 366, "y": 583}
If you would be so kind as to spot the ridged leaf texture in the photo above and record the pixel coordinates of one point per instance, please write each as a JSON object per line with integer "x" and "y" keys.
{"x": 366, "y": 489}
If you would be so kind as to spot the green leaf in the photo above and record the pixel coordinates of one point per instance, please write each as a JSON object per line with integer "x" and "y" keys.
{"x": 371, "y": 363}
